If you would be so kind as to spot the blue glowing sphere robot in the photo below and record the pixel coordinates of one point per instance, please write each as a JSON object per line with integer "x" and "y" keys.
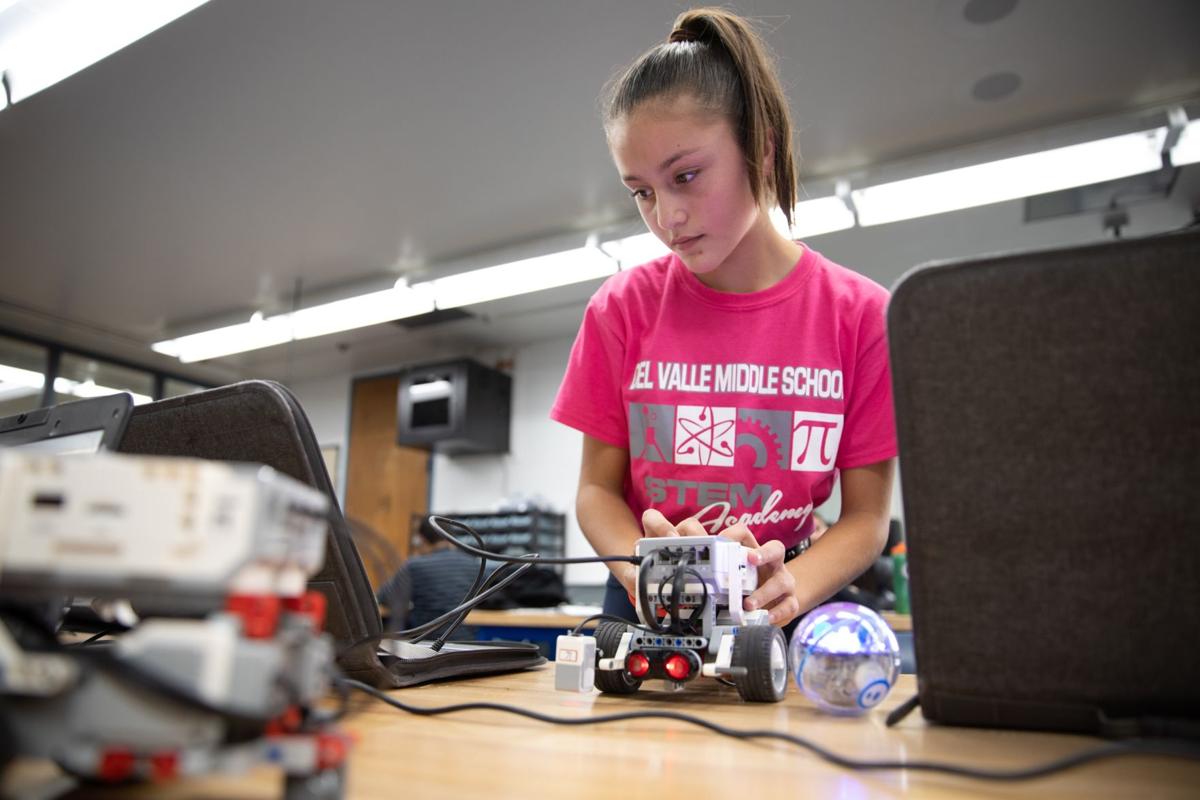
{"x": 845, "y": 658}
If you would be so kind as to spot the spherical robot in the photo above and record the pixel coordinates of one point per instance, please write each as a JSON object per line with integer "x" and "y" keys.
{"x": 845, "y": 658}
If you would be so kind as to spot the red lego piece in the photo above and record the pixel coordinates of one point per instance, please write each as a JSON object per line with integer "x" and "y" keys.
{"x": 332, "y": 749}
{"x": 164, "y": 766}
{"x": 259, "y": 613}
{"x": 311, "y": 604}
{"x": 287, "y": 722}
{"x": 116, "y": 764}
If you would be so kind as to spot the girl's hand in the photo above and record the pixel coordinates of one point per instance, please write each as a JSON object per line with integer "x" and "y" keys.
{"x": 654, "y": 524}
{"x": 776, "y": 586}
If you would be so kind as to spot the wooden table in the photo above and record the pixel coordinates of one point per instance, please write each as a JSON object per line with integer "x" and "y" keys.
{"x": 486, "y": 754}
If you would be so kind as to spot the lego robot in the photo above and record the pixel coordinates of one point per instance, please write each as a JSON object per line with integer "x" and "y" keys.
{"x": 689, "y": 601}
{"x": 222, "y": 664}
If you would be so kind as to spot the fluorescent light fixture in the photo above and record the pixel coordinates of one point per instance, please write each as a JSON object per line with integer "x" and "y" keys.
{"x": 1187, "y": 149}
{"x": 361, "y": 311}
{"x": 634, "y": 250}
{"x": 822, "y": 215}
{"x": 477, "y": 286}
{"x": 90, "y": 388}
{"x": 252, "y": 335}
{"x": 44, "y": 42}
{"x": 521, "y": 277}
{"x": 1011, "y": 178}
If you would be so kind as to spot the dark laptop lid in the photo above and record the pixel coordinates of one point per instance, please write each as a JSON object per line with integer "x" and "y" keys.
{"x": 82, "y": 426}
{"x": 262, "y": 422}
{"x": 1048, "y": 414}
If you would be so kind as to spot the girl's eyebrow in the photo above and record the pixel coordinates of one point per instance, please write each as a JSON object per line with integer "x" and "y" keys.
{"x": 667, "y": 162}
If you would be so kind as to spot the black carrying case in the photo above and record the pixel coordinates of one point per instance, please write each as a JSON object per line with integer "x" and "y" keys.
{"x": 262, "y": 422}
{"x": 1048, "y": 415}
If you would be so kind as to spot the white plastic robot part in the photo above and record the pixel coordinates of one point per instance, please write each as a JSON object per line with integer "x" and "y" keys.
{"x": 736, "y": 577}
{"x": 574, "y": 663}
{"x": 618, "y": 659}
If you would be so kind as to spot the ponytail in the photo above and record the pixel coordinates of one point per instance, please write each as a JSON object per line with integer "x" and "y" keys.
{"x": 717, "y": 58}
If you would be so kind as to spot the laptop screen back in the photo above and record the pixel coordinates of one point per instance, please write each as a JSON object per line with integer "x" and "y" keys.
{"x": 84, "y": 426}
{"x": 1048, "y": 413}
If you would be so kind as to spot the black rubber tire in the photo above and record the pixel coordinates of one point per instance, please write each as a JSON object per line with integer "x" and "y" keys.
{"x": 765, "y": 679}
{"x": 608, "y": 638}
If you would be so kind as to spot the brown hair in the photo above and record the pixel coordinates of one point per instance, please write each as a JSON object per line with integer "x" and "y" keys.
{"x": 717, "y": 58}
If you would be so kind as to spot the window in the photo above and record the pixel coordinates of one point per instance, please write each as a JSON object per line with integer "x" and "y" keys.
{"x": 25, "y": 364}
{"x": 79, "y": 377}
{"x": 173, "y": 387}
{"x": 22, "y": 375}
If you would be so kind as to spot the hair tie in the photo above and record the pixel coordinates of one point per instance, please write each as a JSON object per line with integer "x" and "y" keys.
{"x": 696, "y": 30}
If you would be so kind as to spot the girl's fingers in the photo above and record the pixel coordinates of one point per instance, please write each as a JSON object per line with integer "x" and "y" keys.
{"x": 785, "y": 610}
{"x": 691, "y": 527}
{"x": 740, "y": 534}
{"x": 655, "y": 524}
{"x": 771, "y": 553}
{"x": 780, "y": 584}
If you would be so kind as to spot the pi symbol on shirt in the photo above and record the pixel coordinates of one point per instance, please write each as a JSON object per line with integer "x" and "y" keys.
{"x": 704, "y": 435}
{"x": 815, "y": 440}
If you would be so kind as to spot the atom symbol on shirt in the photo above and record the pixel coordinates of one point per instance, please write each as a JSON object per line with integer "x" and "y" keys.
{"x": 706, "y": 436}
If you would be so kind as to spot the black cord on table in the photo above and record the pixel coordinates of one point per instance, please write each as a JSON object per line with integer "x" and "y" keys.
{"x": 470, "y": 601}
{"x": 94, "y": 638}
{"x": 435, "y": 623}
{"x": 476, "y": 586}
{"x": 436, "y": 522}
{"x": 1151, "y": 747}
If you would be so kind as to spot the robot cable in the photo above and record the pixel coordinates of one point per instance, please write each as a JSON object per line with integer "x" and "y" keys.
{"x": 1169, "y": 748}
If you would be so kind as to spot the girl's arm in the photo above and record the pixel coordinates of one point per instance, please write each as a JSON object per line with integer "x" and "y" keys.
{"x": 852, "y": 544}
{"x": 846, "y": 550}
{"x": 604, "y": 516}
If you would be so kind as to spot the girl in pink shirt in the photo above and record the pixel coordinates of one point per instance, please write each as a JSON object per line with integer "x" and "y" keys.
{"x": 723, "y": 388}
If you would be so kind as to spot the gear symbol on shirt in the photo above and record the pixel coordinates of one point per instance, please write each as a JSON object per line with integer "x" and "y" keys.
{"x": 761, "y": 439}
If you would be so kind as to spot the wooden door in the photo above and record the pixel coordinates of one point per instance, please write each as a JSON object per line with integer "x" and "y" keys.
{"x": 385, "y": 483}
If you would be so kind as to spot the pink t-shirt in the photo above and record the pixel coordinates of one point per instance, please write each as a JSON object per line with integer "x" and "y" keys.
{"x": 734, "y": 407}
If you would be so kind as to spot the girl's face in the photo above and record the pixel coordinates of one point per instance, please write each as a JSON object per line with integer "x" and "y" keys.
{"x": 688, "y": 176}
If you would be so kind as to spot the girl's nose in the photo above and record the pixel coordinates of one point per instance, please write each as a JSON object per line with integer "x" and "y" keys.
{"x": 671, "y": 215}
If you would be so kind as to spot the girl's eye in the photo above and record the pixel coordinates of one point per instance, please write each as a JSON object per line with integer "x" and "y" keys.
{"x": 686, "y": 177}
{"x": 639, "y": 194}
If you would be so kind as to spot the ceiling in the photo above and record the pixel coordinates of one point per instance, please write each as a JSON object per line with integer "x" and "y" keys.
{"x": 252, "y": 154}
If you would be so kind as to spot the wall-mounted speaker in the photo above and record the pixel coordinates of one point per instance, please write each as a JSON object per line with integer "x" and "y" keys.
{"x": 455, "y": 407}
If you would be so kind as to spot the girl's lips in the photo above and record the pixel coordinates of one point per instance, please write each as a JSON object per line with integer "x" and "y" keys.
{"x": 685, "y": 243}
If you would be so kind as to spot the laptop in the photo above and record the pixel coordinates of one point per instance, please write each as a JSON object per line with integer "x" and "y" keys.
{"x": 82, "y": 426}
{"x": 1048, "y": 415}
{"x": 262, "y": 422}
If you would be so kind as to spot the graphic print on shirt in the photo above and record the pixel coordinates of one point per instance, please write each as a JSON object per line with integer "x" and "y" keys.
{"x": 768, "y": 434}
{"x": 704, "y": 435}
{"x": 715, "y": 436}
{"x": 651, "y": 428}
{"x": 723, "y": 464}
{"x": 815, "y": 440}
